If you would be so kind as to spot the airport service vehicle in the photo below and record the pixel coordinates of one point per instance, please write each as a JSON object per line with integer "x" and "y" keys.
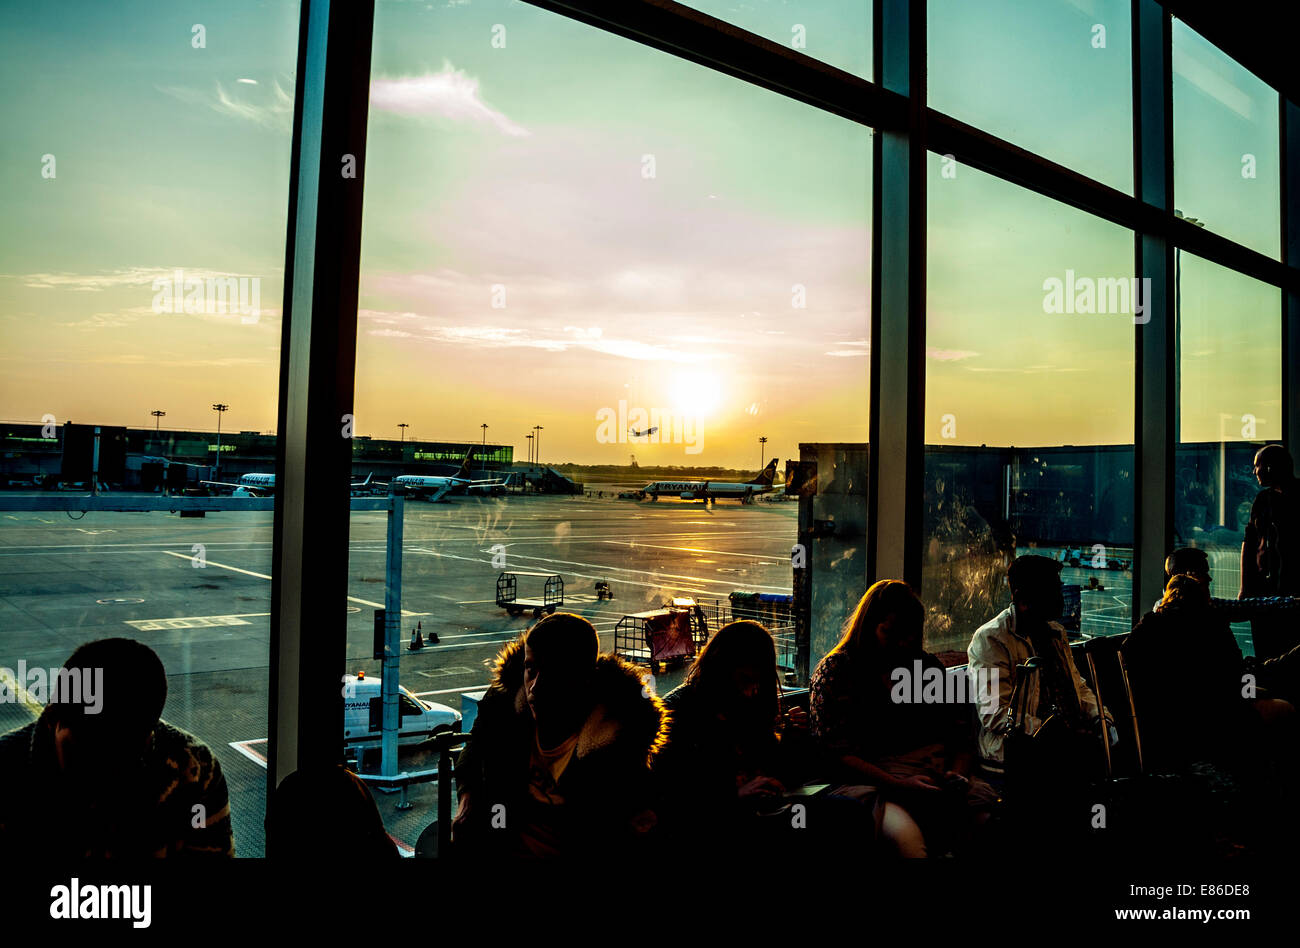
{"x": 508, "y": 592}
{"x": 715, "y": 490}
{"x": 434, "y": 488}
{"x": 363, "y": 715}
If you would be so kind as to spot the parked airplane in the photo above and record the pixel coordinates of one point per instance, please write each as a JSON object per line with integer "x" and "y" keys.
{"x": 434, "y": 487}
{"x": 713, "y": 490}
{"x": 263, "y": 485}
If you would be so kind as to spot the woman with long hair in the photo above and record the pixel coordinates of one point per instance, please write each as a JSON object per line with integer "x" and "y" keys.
{"x": 866, "y": 718}
{"x": 723, "y": 761}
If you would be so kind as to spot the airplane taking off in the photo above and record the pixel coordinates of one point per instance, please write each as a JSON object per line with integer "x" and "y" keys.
{"x": 642, "y": 434}
{"x": 713, "y": 490}
{"x": 263, "y": 485}
{"x": 435, "y": 488}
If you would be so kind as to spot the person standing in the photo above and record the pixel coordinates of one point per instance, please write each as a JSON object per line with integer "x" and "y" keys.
{"x": 1270, "y": 554}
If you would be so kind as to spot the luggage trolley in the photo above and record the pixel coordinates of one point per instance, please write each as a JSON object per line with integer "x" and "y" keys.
{"x": 508, "y": 590}
{"x": 671, "y": 635}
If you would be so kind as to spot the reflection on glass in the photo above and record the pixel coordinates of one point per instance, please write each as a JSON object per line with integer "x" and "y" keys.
{"x": 1226, "y": 149}
{"x": 1054, "y": 76}
{"x": 642, "y": 277}
{"x": 1029, "y": 402}
{"x": 143, "y": 247}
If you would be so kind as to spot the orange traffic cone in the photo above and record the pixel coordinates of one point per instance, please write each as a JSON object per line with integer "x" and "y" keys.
{"x": 417, "y": 640}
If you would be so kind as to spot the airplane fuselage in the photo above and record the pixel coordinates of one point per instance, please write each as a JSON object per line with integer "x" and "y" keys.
{"x": 704, "y": 490}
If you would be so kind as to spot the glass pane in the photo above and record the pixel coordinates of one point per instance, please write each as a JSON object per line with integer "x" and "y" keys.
{"x": 1227, "y": 159}
{"x": 145, "y": 187}
{"x": 1054, "y": 77}
{"x": 838, "y": 32}
{"x": 1230, "y": 403}
{"x": 640, "y": 276}
{"x": 1029, "y": 402}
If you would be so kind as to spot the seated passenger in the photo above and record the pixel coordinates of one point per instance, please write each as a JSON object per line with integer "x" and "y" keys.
{"x": 917, "y": 755}
{"x": 725, "y": 764}
{"x": 1191, "y": 561}
{"x": 1186, "y": 676}
{"x": 1056, "y": 692}
{"x": 324, "y": 813}
{"x": 100, "y": 775}
{"x": 558, "y": 762}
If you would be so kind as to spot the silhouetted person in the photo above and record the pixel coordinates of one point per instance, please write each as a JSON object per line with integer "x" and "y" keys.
{"x": 728, "y": 762}
{"x": 1270, "y": 554}
{"x": 918, "y": 755}
{"x": 323, "y": 814}
{"x": 1027, "y": 628}
{"x": 1190, "y": 561}
{"x": 558, "y": 762}
{"x": 1186, "y": 676}
{"x": 99, "y": 774}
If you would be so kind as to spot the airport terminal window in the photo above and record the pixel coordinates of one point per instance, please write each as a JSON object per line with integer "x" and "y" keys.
{"x": 1230, "y": 404}
{"x": 1029, "y": 402}
{"x": 838, "y": 32}
{"x": 144, "y": 246}
{"x": 1226, "y": 151}
{"x": 576, "y": 240}
{"x": 1053, "y": 76}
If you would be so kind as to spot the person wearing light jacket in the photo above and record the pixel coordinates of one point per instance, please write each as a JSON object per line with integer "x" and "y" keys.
{"x": 1028, "y": 628}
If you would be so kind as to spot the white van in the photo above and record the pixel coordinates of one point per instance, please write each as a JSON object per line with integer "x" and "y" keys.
{"x": 419, "y": 719}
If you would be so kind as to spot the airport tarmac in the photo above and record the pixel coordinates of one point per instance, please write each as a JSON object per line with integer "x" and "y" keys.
{"x": 65, "y": 581}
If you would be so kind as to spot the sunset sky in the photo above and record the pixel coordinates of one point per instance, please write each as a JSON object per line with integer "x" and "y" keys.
{"x": 520, "y": 175}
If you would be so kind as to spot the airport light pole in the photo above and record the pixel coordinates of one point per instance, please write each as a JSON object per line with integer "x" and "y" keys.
{"x": 403, "y": 425}
{"x": 530, "y": 449}
{"x": 156, "y": 416}
{"x": 220, "y": 409}
{"x": 762, "y": 452}
{"x": 484, "y": 427}
{"x": 537, "y": 445}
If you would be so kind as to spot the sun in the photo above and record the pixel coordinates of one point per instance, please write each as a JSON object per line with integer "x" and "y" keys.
{"x": 696, "y": 393}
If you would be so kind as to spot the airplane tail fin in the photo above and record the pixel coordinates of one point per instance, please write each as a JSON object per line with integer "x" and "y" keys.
{"x": 769, "y": 473}
{"x": 463, "y": 473}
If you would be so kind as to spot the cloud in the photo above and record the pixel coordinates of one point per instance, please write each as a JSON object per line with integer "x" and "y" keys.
{"x": 270, "y": 107}
{"x": 105, "y": 321}
{"x": 854, "y": 348}
{"x": 450, "y": 94}
{"x": 948, "y": 355}
{"x": 590, "y": 338}
{"x": 127, "y": 277}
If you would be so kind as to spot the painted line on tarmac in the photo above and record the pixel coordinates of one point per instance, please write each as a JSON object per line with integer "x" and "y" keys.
{"x": 509, "y": 636}
{"x": 691, "y": 549}
{"x": 193, "y": 622}
{"x": 244, "y": 748}
{"x": 606, "y": 572}
{"x": 632, "y": 569}
{"x": 449, "y": 691}
{"x": 249, "y": 572}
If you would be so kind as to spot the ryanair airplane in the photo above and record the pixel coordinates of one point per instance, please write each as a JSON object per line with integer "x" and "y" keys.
{"x": 714, "y": 490}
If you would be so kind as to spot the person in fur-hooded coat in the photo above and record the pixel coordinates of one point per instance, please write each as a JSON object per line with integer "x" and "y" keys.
{"x": 558, "y": 762}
